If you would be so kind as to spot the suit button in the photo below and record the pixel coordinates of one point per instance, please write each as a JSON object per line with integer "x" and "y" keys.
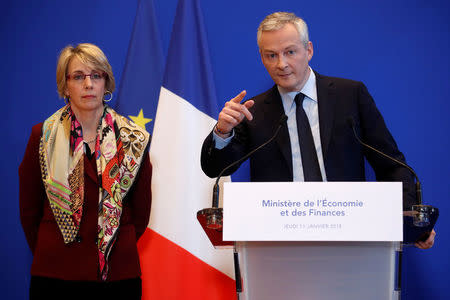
{"x": 78, "y": 239}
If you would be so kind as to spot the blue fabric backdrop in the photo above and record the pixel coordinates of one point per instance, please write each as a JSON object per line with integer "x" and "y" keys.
{"x": 399, "y": 49}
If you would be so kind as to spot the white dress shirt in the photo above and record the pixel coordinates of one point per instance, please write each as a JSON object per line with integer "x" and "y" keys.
{"x": 311, "y": 107}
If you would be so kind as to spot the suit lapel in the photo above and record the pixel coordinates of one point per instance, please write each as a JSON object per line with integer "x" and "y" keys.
{"x": 326, "y": 94}
{"x": 274, "y": 108}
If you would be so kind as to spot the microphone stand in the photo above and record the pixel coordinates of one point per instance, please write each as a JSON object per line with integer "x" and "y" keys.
{"x": 211, "y": 219}
{"x": 214, "y": 215}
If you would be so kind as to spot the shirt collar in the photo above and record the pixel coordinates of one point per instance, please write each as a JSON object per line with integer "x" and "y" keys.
{"x": 309, "y": 89}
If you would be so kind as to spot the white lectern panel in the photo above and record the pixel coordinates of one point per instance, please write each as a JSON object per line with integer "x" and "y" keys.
{"x": 312, "y": 211}
{"x": 318, "y": 270}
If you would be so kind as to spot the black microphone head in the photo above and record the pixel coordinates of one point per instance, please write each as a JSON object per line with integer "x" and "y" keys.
{"x": 350, "y": 121}
{"x": 283, "y": 119}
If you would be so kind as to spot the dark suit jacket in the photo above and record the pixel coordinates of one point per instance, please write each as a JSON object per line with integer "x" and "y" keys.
{"x": 79, "y": 260}
{"x": 338, "y": 99}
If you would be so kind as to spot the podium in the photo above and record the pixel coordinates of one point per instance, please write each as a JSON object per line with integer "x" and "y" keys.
{"x": 312, "y": 240}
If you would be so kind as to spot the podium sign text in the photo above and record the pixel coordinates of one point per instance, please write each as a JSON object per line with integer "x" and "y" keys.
{"x": 313, "y": 211}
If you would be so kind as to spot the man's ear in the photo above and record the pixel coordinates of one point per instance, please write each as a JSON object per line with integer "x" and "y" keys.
{"x": 310, "y": 50}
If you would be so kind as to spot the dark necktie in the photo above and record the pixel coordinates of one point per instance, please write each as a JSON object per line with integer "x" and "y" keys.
{"x": 311, "y": 169}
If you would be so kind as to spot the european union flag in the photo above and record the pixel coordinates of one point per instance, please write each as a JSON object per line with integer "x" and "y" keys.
{"x": 143, "y": 72}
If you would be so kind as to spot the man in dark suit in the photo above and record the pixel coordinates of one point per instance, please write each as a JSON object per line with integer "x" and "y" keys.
{"x": 317, "y": 142}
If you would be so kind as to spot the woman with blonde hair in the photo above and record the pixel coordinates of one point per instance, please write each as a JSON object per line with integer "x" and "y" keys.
{"x": 85, "y": 188}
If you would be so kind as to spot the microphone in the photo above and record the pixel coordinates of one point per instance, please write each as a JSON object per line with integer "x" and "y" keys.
{"x": 215, "y": 201}
{"x": 351, "y": 123}
{"x": 424, "y": 217}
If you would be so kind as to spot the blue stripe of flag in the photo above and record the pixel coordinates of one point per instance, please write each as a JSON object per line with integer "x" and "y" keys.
{"x": 143, "y": 72}
{"x": 188, "y": 71}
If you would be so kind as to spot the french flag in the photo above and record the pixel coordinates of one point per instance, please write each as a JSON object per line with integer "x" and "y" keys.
{"x": 177, "y": 258}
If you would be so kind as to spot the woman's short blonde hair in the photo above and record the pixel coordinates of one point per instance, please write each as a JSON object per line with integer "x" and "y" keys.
{"x": 89, "y": 54}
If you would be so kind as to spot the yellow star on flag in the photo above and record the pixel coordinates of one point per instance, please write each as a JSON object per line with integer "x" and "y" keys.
{"x": 140, "y": 119}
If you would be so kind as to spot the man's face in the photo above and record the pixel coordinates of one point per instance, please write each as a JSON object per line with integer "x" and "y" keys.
{"x": 285, "y": 57}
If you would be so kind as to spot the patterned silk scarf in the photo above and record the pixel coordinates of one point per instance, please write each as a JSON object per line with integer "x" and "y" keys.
{"x": 119, "y": 151}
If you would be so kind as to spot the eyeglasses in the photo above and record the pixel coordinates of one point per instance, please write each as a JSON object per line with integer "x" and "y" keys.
{"x": 80, "y": 77}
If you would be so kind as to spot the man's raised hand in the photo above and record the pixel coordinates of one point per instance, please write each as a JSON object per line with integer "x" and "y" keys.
{"x": 232, "y": 114}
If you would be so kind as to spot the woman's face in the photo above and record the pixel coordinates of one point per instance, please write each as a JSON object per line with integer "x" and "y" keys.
{"x": 85, "y": 92}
